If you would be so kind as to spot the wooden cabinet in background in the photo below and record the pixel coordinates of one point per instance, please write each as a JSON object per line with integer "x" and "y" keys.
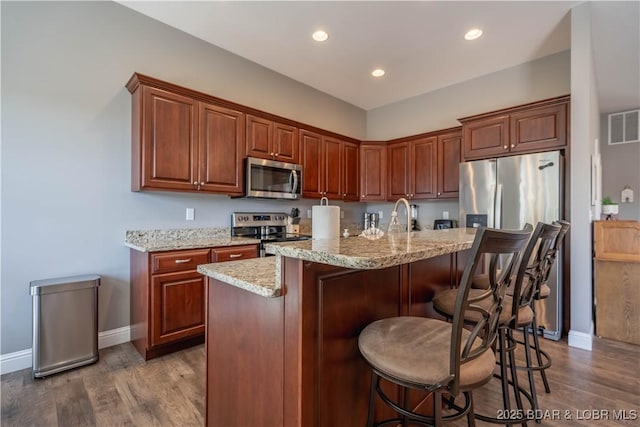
{"x": 534, "y": 127}
{"x": 448, "y": 170}
{"x": 330, "y": 167}
{"x": 373, "y": 172}
{"x": 350, "y": 172}
{"x": 270, "y": 140}
{"x": 424, "y": 167}
{"x": 181, "y": 143}
{"x": 221, "y": 150}
{"x": 617, "y": 288}
{"x": 168, "y": 296}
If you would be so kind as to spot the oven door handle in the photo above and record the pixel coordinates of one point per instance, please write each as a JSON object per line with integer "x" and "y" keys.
{"x": 294, "y": 187}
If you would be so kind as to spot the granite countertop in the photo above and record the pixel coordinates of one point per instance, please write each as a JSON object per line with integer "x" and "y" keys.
{"x": 362, "y": 253}
{"x": 262, "y": 275}
{"x": 183, "y": 238}
{"x": 258, "y": 275}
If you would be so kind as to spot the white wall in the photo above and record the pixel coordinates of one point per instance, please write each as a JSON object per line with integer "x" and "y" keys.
{"x": 585, "y": 128}
{"x": 66, "y": 134}
{"x": 544, "y": 78}
{"x": 620, "y": 167}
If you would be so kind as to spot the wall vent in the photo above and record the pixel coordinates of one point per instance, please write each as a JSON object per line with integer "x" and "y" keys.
{"x": 623, "y": 127}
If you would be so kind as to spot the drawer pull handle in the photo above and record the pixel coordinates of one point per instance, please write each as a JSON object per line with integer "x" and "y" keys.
{"x": 182, "y": 261}
{"x": 235, "y": 255}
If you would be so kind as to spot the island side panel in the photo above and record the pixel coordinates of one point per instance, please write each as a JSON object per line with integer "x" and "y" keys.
{"x": 245, "y": 356}
{"x": 327, "y": 307}
{"x": 333, "y": 305}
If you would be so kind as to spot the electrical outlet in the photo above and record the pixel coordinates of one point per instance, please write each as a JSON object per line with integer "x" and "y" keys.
{"x": 445, "y": 215}
{"x": 308, "y": 213}
{"x": 380, "y": 215}
{"x": 341, "y": 214}
{"x": 191, "y": 212}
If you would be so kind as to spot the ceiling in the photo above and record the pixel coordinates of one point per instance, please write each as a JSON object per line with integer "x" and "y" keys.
{"x": 420, "y": 44}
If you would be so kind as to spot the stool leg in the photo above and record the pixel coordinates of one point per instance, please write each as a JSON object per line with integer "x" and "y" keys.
{"x": 527, "y": 355}
{"x": 536, "y": 343}
{"x": 437, "y": 409}
{"x": 504, "y": 378}
{"x": 372, "y": 399}
{"x": 471, "y": 419}
{"x": 514, "y": 372}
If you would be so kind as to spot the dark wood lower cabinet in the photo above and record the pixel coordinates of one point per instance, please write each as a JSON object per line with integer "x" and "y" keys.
{"x": 294, "y": 360}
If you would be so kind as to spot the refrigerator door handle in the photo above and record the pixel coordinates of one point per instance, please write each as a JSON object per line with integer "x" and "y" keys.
{"x": 497, "y": 209}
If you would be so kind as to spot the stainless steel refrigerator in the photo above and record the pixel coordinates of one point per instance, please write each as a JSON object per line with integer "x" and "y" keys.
{"x": 509, "y": 192}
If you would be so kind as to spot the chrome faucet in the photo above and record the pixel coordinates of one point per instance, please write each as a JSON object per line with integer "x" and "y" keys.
{"x": 394, "y": 225}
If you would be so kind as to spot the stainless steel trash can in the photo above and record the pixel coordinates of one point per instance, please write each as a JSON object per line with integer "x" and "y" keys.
{"x": 65, "y": 323}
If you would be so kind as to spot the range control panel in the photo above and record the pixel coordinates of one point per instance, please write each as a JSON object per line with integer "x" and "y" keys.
{"x": 258, "y": 219}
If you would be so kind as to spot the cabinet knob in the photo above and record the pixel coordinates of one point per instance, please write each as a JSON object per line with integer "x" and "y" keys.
{"x": 344, "y": 195}
{"x": 201, "y": 183}
{"x": 505, "y": 147}
{"x": 277, "y": 154}
{"x": 195, "y": 182}
{"x": 272, "y": 154}
{"x": 439, "y": 194}
{"x": 513, "y": 145}
{"x": 362, "y": 196}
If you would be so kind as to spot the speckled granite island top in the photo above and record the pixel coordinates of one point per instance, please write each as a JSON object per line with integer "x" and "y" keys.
{"x": 362, "y": 253}
{"x": 183, "y": 238}
{"x": 258, "y": 275}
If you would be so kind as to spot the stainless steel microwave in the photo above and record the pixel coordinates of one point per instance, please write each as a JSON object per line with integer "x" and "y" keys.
{"x": 273, "y": 180}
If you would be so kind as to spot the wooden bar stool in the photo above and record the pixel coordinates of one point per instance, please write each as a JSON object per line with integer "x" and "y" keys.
{"x": 439, "y": 357}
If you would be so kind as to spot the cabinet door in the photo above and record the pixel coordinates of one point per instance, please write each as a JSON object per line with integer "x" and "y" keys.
{"x": 169, "y": 148}
{"x": 285, "y": 143}
{"x": 539, "y": 129}
{"x": 312, "y": 172}
{"x": 221, "y": 150}
{"x": 484, "y": 138}
{"x": 449, "y": 165}
{"x": 332, "y": 164}
{"x": 373, "y": 172}
{"x": 351, "y": 175}
{"x": 423, "y": 176}
{"x": 398, "y": 170}
{"x": 259, "y": 135}
{"x": 177, "y": 306}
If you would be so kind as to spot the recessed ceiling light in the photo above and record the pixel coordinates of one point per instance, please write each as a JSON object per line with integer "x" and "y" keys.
{"x": 473, "y": 34}
{"x": 378, "y": 72}
{"x": 320, "y": 36}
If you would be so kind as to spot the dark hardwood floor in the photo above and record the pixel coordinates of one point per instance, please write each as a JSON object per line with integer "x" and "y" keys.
{"x": 121, "y": 389}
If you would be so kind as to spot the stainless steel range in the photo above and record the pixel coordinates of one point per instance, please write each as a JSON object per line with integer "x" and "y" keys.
{"x": 266, "y": 226}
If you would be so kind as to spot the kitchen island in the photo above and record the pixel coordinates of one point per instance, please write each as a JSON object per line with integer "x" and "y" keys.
{"x": 281, "y": 335}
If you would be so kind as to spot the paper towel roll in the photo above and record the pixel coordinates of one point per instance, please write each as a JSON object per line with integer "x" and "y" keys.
{"x": 325, "y": 221}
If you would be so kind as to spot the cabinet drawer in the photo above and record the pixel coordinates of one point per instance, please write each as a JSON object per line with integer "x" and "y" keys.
{"x": 178, "y": 261}
{"x": 234, "y": 253}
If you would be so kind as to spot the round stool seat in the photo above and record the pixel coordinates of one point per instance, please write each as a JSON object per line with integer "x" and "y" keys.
{"x": 417, "y": 350}
{"x": 444, "y": 302}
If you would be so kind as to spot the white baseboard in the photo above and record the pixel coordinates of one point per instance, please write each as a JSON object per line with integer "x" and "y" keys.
{"x": 580, "y": 340}
{"x": 23, "y": 359}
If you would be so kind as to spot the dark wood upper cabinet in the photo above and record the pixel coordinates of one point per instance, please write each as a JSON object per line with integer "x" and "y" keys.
{"x": 351, "y": 172}
{"x": 411, "y": 168}
{"x": 285, "y": 143}
{"x": 373, "y": 172}
{"x": 397, "y": 170}
{"x": 330, "y": 167}
{"x": 534, "y": 127}
{"x": 422, "y": 182}
{"x": 270, "y": 140}
{"x": 182, "y": 143}
{"x": 487, "y": 137}
{"x": 539, "y": 129}
{"x": 165, "y": 145}
{"x": 312, "y": 169}
{"x": 221, "y": 150}
{"x": 449, "y": 157}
